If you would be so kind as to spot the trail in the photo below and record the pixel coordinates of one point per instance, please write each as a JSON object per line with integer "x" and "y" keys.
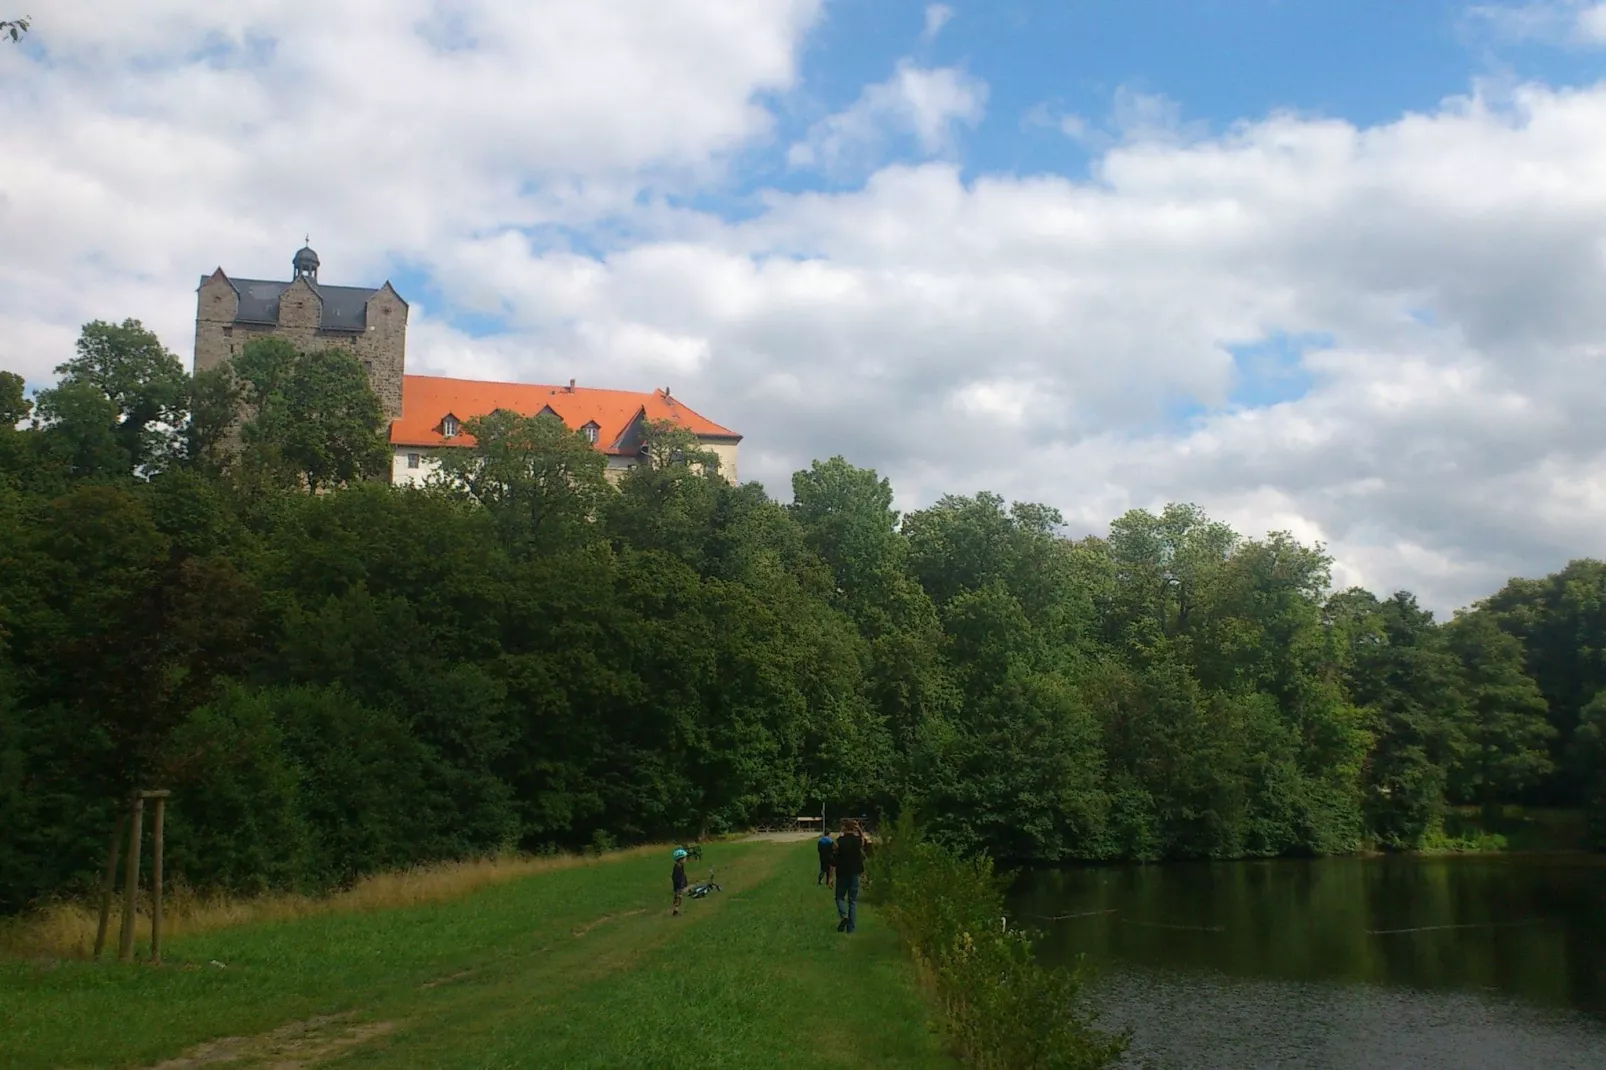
{"x": 600, "y": 980}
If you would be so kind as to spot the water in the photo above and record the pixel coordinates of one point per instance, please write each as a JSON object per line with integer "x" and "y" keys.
{"x": 1470, "y": 963}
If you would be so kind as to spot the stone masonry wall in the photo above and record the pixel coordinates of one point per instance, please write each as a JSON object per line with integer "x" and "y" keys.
{"x": 382, "y": 348}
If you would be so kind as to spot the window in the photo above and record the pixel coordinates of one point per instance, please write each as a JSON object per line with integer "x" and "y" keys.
{"x": 590, "y": 432}
{"x": 412, "y": 460}
{"x": 228, "y": 332}
{"x": 449, "y": 427}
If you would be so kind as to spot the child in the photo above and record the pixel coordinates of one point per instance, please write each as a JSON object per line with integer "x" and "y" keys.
{"x": 827, "y": 850}
{"x": 679, "y": 877}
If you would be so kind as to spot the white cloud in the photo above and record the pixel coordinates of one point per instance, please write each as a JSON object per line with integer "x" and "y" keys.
{"x": 1134, "y": 116}
{"x": 937, "y": 16}
{"x": 1591, "y": 24}
{"x": 926, "y": 104}
{"x": 1018, "y": 333}
{"x": 1558, "y": 22}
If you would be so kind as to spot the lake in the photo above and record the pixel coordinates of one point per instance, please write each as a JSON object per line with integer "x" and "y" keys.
{"x": 1460, "y": 963}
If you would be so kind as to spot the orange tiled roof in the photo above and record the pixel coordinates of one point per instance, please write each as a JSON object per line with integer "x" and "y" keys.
{"x": 428, "y": 399}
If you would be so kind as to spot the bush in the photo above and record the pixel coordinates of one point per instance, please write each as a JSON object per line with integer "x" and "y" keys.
{"x": 1002, "y": 1007}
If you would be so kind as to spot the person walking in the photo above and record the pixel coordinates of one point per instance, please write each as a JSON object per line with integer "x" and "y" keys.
{"x": 827, "y": 848}
{"x": 849, "y": 869}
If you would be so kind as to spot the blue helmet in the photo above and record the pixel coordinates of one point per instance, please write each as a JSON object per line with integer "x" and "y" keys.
{"x": 680, "y": 852}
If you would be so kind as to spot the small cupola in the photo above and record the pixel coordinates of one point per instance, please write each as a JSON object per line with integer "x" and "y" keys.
{"x": 306, "y": 264}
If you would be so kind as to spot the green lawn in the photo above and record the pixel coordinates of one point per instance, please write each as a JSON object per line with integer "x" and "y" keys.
{"x": 579, "y": 967}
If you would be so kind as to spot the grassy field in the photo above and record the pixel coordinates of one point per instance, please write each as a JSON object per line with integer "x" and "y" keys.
{"x": 575, "y": 967}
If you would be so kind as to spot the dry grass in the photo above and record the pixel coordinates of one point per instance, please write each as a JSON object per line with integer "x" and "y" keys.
{"x": 67, "y": 930}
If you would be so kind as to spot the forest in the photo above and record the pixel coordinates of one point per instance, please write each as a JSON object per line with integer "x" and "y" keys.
{"x": 208, "y": 585}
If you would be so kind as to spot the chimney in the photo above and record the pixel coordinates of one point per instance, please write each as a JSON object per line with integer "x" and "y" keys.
{"x": 571, "y": 386}
{"x": 666, "y": 391}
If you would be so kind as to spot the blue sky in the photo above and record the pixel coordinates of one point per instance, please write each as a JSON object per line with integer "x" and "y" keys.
{"x": 1325, "y": 267}
{"x": 1220, "y": 61}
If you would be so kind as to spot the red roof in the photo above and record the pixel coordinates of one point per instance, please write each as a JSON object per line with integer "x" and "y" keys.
{"x": 429, "y": 399}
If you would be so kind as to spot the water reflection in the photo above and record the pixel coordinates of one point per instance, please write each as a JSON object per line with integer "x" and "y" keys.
{"x": 1420, "y": 962}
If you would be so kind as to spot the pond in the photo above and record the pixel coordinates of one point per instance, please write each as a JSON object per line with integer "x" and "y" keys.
{"x": 1460, "y": 962}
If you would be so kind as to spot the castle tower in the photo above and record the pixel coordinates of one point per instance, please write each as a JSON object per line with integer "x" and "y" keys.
{"x": 370, "y": 324}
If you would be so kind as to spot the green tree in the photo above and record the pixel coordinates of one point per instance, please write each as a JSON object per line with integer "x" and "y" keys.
{"x": 542, "y": 482}
{"x": 144, "y": 383}
{"x": 14, "y": 405}
{"x": 14, "y": 28}
{"x": 1400, "y": 669}
{"x": 215, "y": 398}
{"x": 1507, "y": 734}
{"x": 1561, "y": 621}
{"x": 312, "y": 420}
{"x": 1591, "y": 757}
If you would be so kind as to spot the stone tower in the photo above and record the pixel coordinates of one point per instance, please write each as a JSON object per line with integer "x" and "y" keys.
{"x": 370, "y": 324}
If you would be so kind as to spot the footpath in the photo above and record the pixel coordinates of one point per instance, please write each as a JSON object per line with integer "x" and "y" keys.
{"x": 582, "y": 967}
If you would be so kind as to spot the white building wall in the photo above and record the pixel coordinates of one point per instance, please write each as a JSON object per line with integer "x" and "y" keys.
{"x": 402, "y": 474}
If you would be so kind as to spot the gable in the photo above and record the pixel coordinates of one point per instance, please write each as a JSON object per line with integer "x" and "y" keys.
{"x": 344, "y": 308}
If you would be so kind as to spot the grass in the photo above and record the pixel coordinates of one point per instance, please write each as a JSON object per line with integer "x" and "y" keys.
{"x": 580, "y": 965}
{"x": 67, "y": 930}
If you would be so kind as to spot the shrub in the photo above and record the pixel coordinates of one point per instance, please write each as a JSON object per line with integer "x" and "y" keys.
{"x": 1002, "y": 1007}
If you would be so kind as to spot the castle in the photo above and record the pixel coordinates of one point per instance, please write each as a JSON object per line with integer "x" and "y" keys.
{"x": 426, "y": 412}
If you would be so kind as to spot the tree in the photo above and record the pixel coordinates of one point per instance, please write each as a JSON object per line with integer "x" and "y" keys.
{"x": 144, "y": 383}
{"x": 667, "y": 445}
{"x": 542, "y": 482}
{"x": 14, "y": 405}
{"x": 1507, "y": 734}
{"x": 215, "y": 397}
{"x": 312, "y": 421}
{"x": 1591, "y": 757}
{"x": 14, "y": 408}
{"x": 1166, "y": 565}
{"x": 14, "y": 28}
{"x": 1398, "y": 667}
{"x": 1561, "y": 622}
{"x": 78, "y": 436}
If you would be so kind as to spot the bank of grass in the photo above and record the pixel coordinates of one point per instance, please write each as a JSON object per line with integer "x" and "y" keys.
{"x": 67, "y": 930}
{"x": 1467, "y": 830}
{"x": 577, "y": 964}
{"x": 1002, "y": 1008}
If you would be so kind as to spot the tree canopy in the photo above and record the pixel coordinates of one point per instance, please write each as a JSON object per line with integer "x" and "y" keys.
{"x": 525, "y": 653}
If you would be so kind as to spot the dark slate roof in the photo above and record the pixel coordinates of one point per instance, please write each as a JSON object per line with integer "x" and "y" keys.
{"x": 344, "y": 307}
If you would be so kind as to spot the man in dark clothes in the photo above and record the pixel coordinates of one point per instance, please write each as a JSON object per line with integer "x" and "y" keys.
{"x": 679, "y": 876}
{"x": 849, "y": 867}
{"x": 827, "y": 851}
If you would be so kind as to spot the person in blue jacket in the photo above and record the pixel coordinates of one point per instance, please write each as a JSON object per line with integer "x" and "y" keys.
{"x": 827, "y": 849}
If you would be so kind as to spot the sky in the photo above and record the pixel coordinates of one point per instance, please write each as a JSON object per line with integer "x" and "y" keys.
{"x": 1334, "y": 269}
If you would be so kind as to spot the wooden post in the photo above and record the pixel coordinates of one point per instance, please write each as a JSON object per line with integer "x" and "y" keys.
{"x": 125, "y": 947}
{"x": 156, "y": 873}
{"x": 109, "y": 886}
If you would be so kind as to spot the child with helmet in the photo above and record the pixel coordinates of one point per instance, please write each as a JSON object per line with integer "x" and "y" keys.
{"x": 679, "y": 876}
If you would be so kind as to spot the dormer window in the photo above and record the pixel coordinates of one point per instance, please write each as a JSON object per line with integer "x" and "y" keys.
{"x": 590, "y": 431}
{"x": 449, "y": 427}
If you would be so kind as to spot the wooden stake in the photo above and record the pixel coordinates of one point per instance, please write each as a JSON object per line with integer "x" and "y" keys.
{"x": 109, "y": 886}
{"x": 125, "y": 948}
{"x": 156, "y": 879}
